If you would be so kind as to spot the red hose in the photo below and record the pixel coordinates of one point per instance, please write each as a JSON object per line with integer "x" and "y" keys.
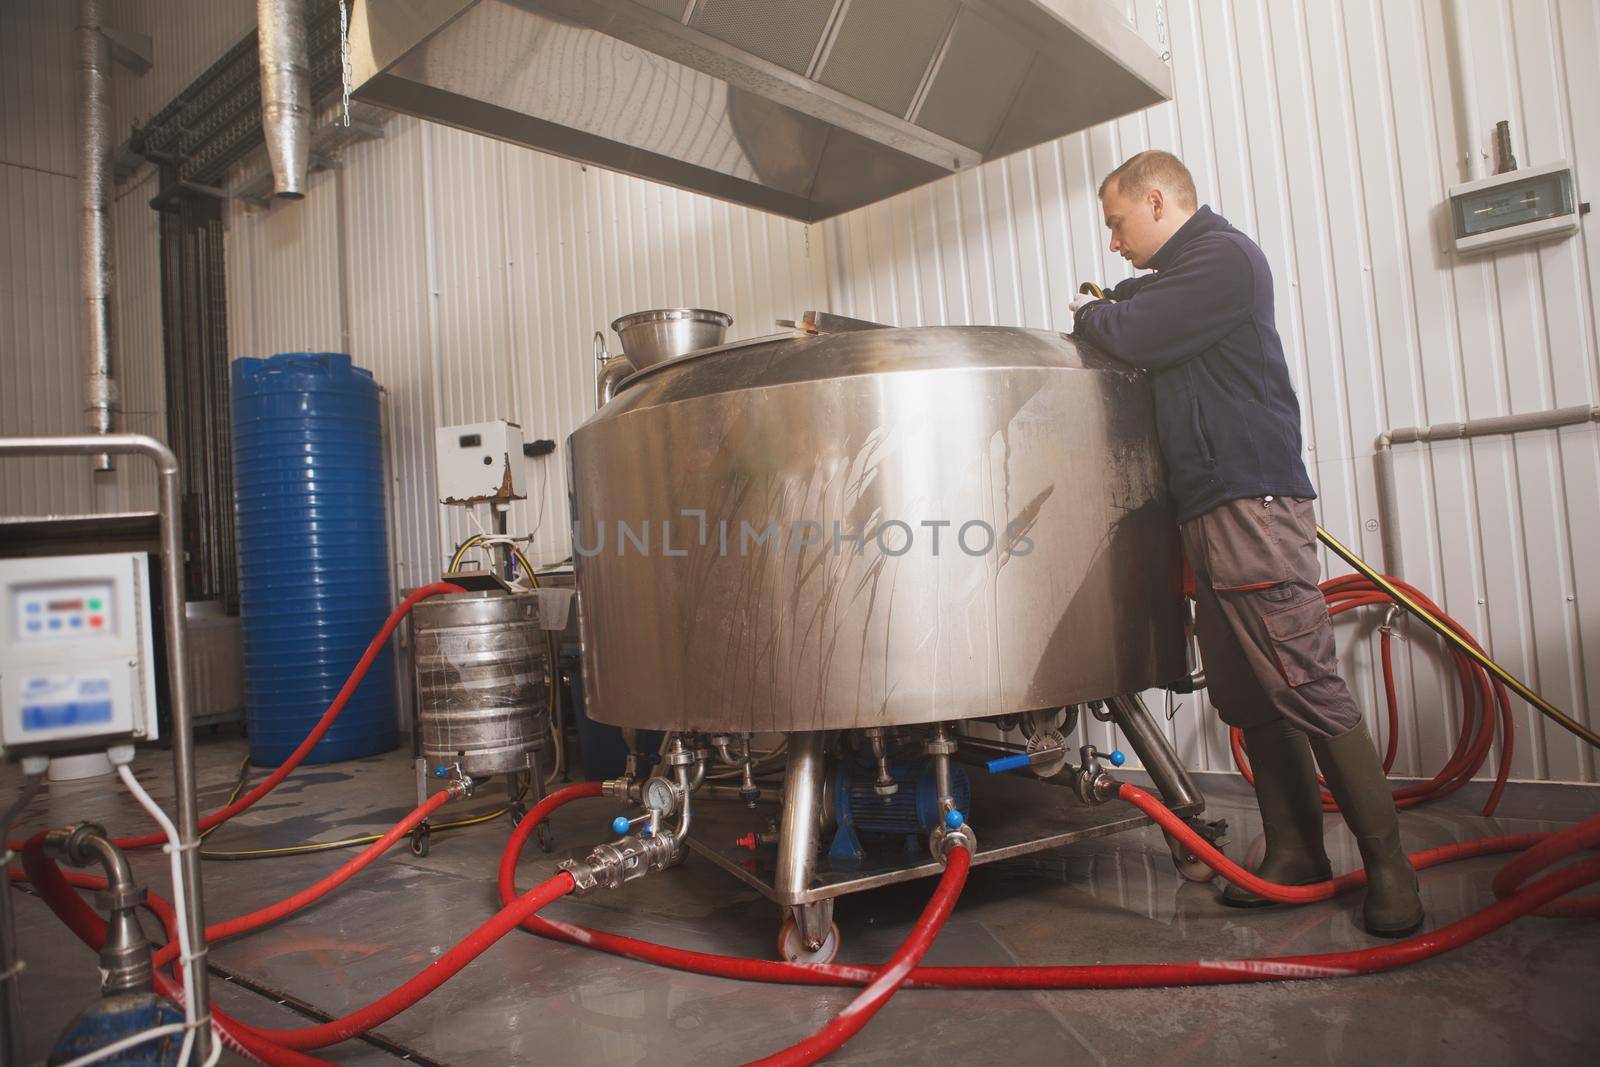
{"x": 1479, "y": 693}
{"x": 285, "y": 769}
{"x": 317, "y": 890}
{"x": 280, "y": 1047}
{"x": 843, "y": 1026}
{"x": 83, "y": 921}
{"x": 429, "y": 978}
{"x": 1551, "y": 850}
{"x": 1129, "y": 976}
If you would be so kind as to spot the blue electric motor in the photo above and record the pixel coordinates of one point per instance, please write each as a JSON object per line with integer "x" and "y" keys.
{"x": 113, "y": 1018}
{"x": 910, "y": 813}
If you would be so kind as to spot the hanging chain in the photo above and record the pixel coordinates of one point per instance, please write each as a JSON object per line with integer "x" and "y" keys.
{"x": 344, "y": 56}
{"x": 1161, "y": 32}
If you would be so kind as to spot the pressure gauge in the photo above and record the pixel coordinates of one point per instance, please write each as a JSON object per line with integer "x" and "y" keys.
{"x": 660, "y": 796}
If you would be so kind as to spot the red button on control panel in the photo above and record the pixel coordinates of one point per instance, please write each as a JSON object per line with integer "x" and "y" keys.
{"x": 97, "y": 621}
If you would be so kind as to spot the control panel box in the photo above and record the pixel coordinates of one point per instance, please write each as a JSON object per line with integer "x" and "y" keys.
{"x": 1519, "y": 205}
{"x": 76, "y": 666}
{"x": 480, "y": 462}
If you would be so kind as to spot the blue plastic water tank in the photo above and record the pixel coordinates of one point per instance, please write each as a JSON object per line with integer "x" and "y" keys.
{"x": 313, "y": 556}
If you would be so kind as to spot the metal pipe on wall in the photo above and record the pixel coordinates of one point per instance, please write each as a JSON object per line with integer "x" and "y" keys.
{"x": 94, "y": 240}
{"x": 285, "y": 93}
{"x": 1388, "y": 499}
{"x": 1463, "y": 84}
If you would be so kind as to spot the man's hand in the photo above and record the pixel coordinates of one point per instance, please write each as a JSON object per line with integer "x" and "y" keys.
{"x": 1083, "y": 299}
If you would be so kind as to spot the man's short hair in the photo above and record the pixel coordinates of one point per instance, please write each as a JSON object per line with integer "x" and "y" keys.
{"x": 1150, "y": 170}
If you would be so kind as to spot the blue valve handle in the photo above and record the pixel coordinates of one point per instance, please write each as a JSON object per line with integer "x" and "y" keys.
{"x": 953, "y": 819}
{"x": 1009, "y": 763}
{"x": 622, "y": 824}
{"x": 1023, "y": 759}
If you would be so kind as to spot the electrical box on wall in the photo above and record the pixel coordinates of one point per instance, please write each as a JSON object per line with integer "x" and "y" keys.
{"x": 1520, "y": 205}
{"x": 76, "y": 667}
{"x": 480, "y": 462}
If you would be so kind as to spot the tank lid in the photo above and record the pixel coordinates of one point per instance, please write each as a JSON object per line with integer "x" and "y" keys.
{"x": 310, "y": 370}
{"x": 803, "y": 355}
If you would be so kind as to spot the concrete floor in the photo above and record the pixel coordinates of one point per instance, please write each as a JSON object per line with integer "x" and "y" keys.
{"x": 1522, "y": 995}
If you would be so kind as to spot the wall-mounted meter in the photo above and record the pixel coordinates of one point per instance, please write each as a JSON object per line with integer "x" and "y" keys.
{"x": 76, "y": 667}
{"x": 480, "y": 462}
{"x": 1520, "y": 205}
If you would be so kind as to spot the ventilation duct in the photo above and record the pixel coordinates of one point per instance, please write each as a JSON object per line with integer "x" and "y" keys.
{"x": 806, "y": 108}
{"x": 285, "y": 93}
{"x": 94, "y": 253}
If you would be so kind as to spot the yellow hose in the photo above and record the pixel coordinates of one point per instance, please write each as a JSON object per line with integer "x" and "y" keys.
{"x": 1543, "y": 706}
{"x": 348, "y": 842}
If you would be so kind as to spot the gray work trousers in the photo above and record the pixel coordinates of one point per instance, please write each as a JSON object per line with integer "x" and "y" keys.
{"x": 1265, "y": 637}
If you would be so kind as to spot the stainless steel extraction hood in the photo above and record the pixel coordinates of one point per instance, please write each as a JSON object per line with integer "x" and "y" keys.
{"x": 806, "y": 108}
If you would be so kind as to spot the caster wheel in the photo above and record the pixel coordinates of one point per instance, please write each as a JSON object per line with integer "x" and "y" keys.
{"x": 547, "y": 840}
{"x": 1191, "y": 867}
{"x": 793, "y": 950}
{"x": 420, "y": 844}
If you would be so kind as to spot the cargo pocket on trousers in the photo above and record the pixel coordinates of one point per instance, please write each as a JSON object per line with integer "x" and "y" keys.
{"x": 1302, "y": 641}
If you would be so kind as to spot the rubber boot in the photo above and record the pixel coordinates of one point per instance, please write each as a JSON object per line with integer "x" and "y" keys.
{"x": 1349, "y": 762}
{"x": 1291, "y": 811}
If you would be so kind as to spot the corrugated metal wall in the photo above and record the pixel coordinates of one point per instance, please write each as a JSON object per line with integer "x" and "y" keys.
{"x": 41, "y": 368}
{"x": 40, "y": 363}
{"x": 1328, "y": 131}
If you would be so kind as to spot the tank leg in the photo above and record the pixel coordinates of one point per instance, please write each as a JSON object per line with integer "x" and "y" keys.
{"x": 1167, "y": 771}
{"x": 420, "y": 765}
{"x": 516, "y": 787}
{"x": 543, "y": 834}
{"x": 799, "y": 837}
{"x": 1154, "y": 751}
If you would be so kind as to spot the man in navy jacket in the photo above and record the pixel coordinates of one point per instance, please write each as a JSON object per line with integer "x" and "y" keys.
{"x": 1229, "y": 423}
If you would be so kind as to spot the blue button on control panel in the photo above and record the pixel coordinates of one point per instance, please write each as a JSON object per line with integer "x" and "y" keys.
{"x": 54, "y": 612}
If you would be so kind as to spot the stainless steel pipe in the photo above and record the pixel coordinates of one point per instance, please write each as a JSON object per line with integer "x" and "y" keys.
{"x": 609, "y": 371}
{"x": 94, "y": 230}
{"x": 285, "y": 93}
{"x": 175, "y": 625}
{"x": 125, "y": 953}
{"x": 1494, "y": 426}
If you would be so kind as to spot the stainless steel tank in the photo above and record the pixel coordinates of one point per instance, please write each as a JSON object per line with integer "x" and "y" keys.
{"x": 481, "y": 680}
{"x": 872, "y": 527}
